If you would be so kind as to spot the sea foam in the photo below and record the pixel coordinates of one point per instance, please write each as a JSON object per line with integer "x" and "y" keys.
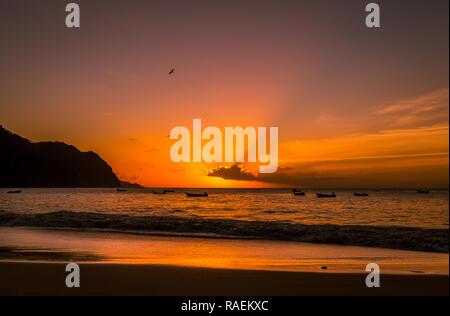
{"x": 406, "y": 238}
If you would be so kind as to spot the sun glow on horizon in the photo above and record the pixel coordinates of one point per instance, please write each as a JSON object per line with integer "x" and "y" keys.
{"x": 348, "y": 112}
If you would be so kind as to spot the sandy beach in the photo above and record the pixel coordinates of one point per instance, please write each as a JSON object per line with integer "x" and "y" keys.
{"x": 128, "y": 279}
{"x": 124, "y": 264}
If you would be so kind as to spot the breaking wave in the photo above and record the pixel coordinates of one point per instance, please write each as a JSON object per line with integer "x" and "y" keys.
{"x": 405, "y": 238}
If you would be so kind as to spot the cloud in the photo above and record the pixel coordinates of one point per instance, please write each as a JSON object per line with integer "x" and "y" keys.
{"x": 426, "y": 110}
{"x": 232, "y": 173}
{"x": 403, "y": 144}
{"x": 433, "y": 176}
{"x": 150, "y": 150}
{"x": 286, "y": 176}
{"x": 283, "y": 176}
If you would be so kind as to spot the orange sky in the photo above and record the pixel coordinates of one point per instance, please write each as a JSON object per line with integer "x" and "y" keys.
{"x": 355, "y": 107}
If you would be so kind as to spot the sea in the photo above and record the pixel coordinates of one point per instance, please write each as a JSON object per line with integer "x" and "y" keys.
{"x": 262, "y": 229}
{"x": 404, "y": 208}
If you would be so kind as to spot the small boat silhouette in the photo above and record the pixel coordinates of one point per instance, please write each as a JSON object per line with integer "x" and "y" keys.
{"x": 326, "y": 195}
{"x": 122, "y": 190}
{"x": 360, "y": 194}
{"x": 159, "y": 192}
{"x": 423, "y": 191}
{"x": 298, "y": 192}
{"x": 197, "y": 194}
{"x": 15, "y": 192}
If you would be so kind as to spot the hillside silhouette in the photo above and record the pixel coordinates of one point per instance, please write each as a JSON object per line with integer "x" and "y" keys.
{"x": 24, "y": 164}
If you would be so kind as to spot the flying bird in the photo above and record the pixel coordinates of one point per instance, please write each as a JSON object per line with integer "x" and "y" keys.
{"x": 171, "y": 71}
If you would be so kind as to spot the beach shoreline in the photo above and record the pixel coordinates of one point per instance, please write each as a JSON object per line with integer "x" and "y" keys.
{"x": 63, "y": 246}
{"x": 389, "y": 237}
{"x": 161, "y": 280}
{"x": 33, "y": 260}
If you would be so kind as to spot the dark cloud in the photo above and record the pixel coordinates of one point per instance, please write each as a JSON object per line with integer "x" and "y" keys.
{"x": 282, "y": 176}
{"x": 232, "y": 173}
{"x": 405, "y": 177}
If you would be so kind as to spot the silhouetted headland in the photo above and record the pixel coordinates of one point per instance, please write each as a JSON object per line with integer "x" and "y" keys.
{"x": 24, "y": 164}
{"x": 129, "y": 185}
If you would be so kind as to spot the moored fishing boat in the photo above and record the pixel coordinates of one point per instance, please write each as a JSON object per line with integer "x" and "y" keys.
{"x": 326, "y": 195}
{"x": 15, "y": 192}
{"x": 197, "y": 194}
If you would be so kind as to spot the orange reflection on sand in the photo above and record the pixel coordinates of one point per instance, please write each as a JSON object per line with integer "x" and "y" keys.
{"x": 226, "y": 254}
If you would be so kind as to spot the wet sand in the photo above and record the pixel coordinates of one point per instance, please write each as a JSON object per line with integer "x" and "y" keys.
{"x": 43, "y": 245}
{"x": 129, "y": 279}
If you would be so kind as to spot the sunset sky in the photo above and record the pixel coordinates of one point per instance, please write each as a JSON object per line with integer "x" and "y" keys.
{"x": 355, "y": 107}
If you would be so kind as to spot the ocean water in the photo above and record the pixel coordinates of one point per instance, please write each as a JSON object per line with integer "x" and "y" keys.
{"x": 387, "y": 208}
{"x": 261, "y": 228}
